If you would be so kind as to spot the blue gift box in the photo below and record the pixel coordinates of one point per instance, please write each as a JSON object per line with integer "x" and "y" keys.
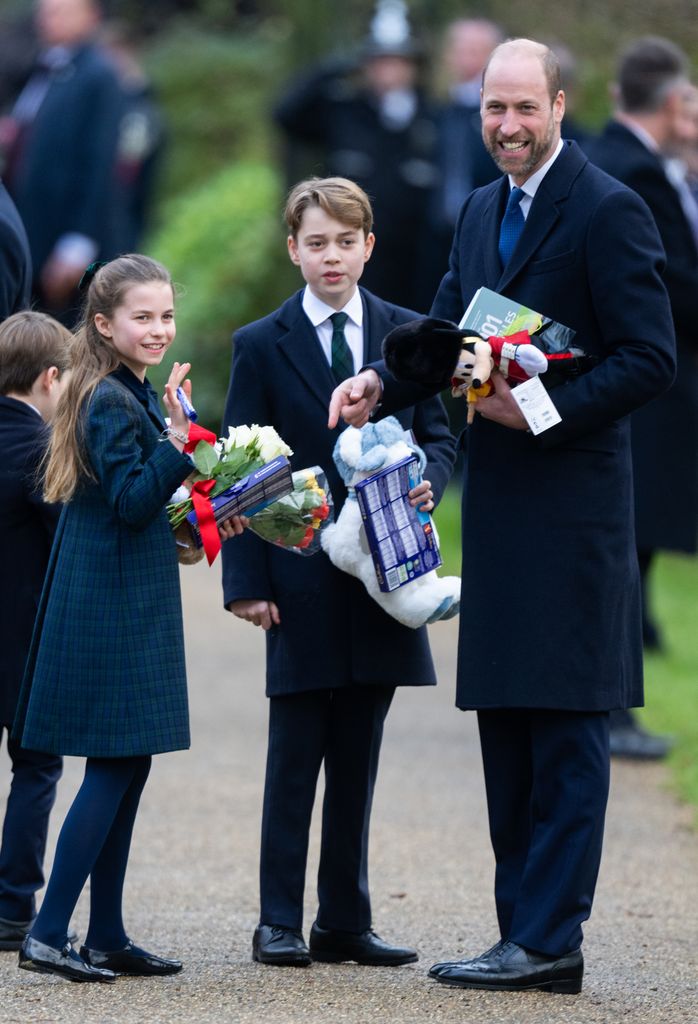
{"x": 249, "y": 495}
{"x": 401, "y": 539}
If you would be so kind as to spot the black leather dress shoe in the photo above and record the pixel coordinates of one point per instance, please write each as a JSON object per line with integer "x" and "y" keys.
{"x": 37, "y": 956}
{"x": 509, "y": 967}
{"x": 130, "y": 960}
{"x": 439, "y": 969}
{"x": 274, "y": 944}
{"x": 13, "y": 933}
{"x": 634, "y": 743}
{"x": 334, "y": 947}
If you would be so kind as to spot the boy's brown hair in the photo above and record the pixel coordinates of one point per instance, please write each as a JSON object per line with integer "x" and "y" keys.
{"x": 31, "y": 342}
{"x": 340, "y": 198}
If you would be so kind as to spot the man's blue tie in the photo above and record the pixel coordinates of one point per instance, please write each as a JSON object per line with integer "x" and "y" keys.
{"x": 512, "y": 225}
{"x": 342, "y": 359}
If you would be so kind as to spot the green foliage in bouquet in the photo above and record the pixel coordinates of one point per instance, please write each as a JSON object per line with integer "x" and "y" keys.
{"x": 295, "y": 520}
{"x": 225, "y": 246}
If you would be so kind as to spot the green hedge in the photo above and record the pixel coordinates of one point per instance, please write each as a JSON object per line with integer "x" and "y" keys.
{"x": 216, "y": 92}
{"x": 225, "y": 247}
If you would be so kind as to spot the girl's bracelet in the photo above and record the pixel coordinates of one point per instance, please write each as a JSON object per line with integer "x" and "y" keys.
{"x": 179, "y": 435}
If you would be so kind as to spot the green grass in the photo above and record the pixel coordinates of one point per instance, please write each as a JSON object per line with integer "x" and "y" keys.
{"x": 671, "y": 678}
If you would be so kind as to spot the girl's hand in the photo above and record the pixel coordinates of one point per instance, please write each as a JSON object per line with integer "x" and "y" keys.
{"x": 232, "y": 527}
{"x": 178, "y": 418}
{"x": 422, "y": 497}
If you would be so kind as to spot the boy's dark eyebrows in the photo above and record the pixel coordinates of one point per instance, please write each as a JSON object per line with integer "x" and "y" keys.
{"x": 349, "y": 233}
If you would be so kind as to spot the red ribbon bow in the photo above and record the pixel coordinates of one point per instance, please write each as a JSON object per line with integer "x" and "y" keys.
{"x": 205, "y": 516}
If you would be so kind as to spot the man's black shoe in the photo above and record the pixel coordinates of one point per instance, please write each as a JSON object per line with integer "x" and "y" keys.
{"x": 367, "y": 948}
{"x": 509, "y": 967}
{"x": 636, "y": 744}
{"x": 274, "y": 944}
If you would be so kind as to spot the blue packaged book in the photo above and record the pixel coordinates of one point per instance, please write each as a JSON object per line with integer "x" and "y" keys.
{"x": 265, "y": 485}
{"x": 401, "y": 539}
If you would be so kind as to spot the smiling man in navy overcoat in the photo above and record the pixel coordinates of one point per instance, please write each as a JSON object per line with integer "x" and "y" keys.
{"x": 550, "y": 638}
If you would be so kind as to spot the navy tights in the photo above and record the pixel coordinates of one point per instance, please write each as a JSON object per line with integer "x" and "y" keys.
{"x": 94, "y": 841}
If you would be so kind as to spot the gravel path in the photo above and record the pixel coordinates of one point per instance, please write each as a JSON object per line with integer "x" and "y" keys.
{"x": 192, "y": 884}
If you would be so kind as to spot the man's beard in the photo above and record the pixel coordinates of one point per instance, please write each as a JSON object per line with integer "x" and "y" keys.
{"x": 538, "y": 149}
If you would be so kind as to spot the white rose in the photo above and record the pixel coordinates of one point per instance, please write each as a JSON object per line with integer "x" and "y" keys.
{"x": 238, "y": 437}
{"x": 271, "y": 445}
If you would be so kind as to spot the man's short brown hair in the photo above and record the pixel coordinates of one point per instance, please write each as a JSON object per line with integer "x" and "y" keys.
{"x": 31, "y": 342}
{"x": 340, "y": 198}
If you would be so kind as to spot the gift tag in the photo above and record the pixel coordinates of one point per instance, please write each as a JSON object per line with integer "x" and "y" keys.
{"x": 535, "y": 403}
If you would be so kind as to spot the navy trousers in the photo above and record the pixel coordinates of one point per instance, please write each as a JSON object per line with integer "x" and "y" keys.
{"x": 29, "y": 802}
{"x": 344, "y": 728}
{"x": 547, "y": 778}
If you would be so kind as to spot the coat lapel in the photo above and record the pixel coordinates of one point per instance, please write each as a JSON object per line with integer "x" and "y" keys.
{"x": 545, "y": 210}
{"x": 492, "y": 218}
{"x": 378, "y": 320}
{"x": 299, "y": 346}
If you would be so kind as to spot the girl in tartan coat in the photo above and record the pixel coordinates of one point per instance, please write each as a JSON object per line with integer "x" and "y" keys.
{"x": 105, "y": 676}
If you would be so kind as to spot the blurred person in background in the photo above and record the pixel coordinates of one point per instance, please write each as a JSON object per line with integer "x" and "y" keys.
{"x": 463, "y": 160}
{"x": 15, "y": 260}
{"x": 141, "y": 139}
{"x": 60, "y": 144}
{"x": 642, "y": 146}
{"x": 370, "y": 121}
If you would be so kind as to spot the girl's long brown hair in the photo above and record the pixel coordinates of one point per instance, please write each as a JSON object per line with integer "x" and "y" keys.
{"x": 94, "y": 357}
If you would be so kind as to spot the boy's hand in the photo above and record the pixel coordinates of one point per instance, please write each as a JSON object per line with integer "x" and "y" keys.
{"x": 232, "y": 527}
{"x": 422, "y": 497}
{"x": 355, "y": 398}
{"x": 259, "y": 613}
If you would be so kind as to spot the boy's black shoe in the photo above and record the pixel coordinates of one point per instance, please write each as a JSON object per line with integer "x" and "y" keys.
{"x": 334, "y": 947}
{"x": 274, "y": 944}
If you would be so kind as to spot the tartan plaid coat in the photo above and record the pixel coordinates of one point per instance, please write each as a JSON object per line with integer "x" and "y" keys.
{"x": 105, "y": 675}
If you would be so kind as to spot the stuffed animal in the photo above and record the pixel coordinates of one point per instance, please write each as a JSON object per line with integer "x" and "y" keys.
{"x": 437, "y": 352}
{"x": 358, "y": 454}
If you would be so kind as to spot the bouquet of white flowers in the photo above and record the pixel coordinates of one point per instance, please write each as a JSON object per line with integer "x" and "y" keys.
{"x": 236, "y": 475}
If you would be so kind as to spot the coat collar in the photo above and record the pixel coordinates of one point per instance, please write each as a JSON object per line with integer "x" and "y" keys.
{"x": 143, "y": 391}
{"x": 545, "y": 211}
{"x": 15, "y": 407}
{"x": 299, "y": 345}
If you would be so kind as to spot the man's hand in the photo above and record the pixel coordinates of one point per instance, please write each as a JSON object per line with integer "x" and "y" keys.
{"x": 355, "y": 398}
{"x": 259, "y": 613}
{"x": 500, "y": 406}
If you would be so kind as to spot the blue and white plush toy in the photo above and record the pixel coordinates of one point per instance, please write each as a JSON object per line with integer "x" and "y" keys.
{"x": 358, "y": 454}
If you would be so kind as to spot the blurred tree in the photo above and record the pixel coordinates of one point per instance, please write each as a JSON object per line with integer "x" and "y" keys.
{"x": 225, "y": 242}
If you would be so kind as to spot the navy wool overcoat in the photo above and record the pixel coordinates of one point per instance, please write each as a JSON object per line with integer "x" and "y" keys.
{"x": 332, "y": 633}
{"x": 105, "y": 675}
{"x": 550, "y": 612}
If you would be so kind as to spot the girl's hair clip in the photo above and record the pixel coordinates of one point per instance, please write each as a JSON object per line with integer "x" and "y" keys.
{"x": 90, "y": 271}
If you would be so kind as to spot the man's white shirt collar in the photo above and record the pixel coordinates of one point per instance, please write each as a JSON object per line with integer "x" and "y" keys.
{"x": 530, "y": 186}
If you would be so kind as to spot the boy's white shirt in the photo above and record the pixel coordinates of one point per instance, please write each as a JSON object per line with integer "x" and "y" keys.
{"x": 319, "y": 313}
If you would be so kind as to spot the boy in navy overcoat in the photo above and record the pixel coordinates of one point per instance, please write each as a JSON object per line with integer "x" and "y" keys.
{"x": 34, "y": 355}
{"x": 333, "y": 656}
